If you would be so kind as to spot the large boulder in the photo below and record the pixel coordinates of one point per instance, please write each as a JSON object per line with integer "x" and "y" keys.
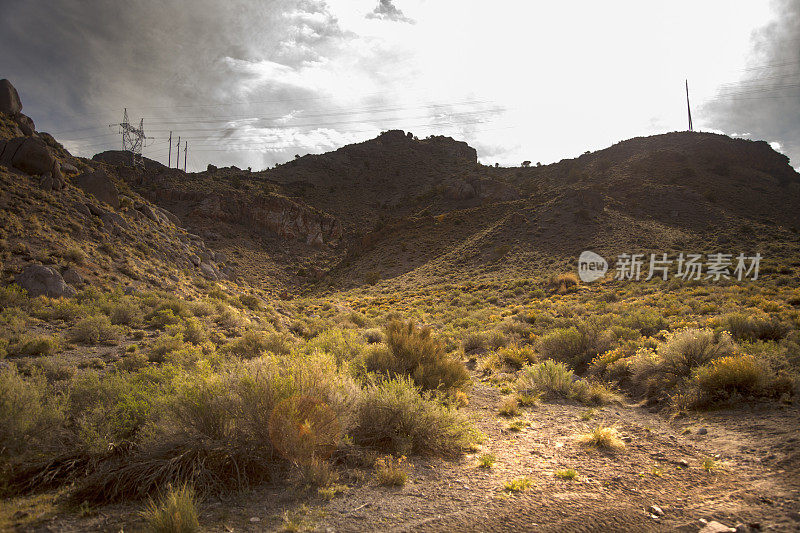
{"x": 25, "y": 124}
{"x": 30, "y": 155}
{"x": 40, "y": 280}
{"x": 9, "y": 98}
{"x": 99, "y": 185}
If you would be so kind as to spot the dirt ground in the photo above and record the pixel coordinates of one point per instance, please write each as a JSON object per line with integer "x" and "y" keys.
{"x": 755, "y": 480}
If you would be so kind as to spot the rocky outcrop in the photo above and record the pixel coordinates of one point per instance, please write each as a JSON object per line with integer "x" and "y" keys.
{"x": 459, "y": 190}
{"x": 40, "y": 280}
{"x": 278, "y": 214}
{"x": 11, "y": 105}
{"x": 31, "y": 156}
{"x": 9, "y": 98}
{"x": 99, "y": 185}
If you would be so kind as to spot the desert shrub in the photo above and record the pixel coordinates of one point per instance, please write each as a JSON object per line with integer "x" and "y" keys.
{"x": 250, "y": 301}
{"x": 215, "y": 430}
{"x": 12, "y": 296}
{"x": 563, "y": 283}
{"x": 231, "y": 319}
{"x": 395, "y": 416}
{"x": 509, "y": 406}
{"x": 202, "y": 308}
{"x": 165, "y": 345}
{"x": 513, "y": 357}
{"x": 343, "y": 344}
{"x": 590, "y": 392}
{"x": 75, "y": 255}
{"x": 31, "y": 415}
{"x": 174, "y": 512}
{"x": 94, "y": 330}
{"x": 373, "y": 336}
{"x": 36, "y": 345}
{"x": 725, "y": 379}
{"x": 655, "y": 372}
{"x": 496, "y": 340}
{"x": 550, "y": 378}
{"x": 647, "y": 321}
{"x": 125, "y": 312}
{"x": 749, "y": 328}
{"x": 474, "y": 342}
{"x": 162, "y": 318}
{"x": 256, "y": 343}
{"x": 576, "y": 345}
{"x": 412, "y": 351}
{"x": 195, "y": 331}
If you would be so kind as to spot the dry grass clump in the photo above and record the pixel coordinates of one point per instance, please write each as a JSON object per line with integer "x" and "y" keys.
{"x": 174, "y": 512}
{"x": 564, "y": 283}
{"x": 509, "y": 407}
{"x": 390, "y": 471}
{"x": 413, "y": 351}
{"x": 604, "y": 438}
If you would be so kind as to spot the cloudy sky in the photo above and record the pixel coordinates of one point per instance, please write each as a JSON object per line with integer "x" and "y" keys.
{"x": 253, "y": 83}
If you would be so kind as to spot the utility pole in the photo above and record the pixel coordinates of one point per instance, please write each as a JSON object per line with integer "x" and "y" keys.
{"x": 185, "y": 149}
{"x": 177, "y": 159}
{"x": 169, "y": 157}
{"x": 688, "y": 107}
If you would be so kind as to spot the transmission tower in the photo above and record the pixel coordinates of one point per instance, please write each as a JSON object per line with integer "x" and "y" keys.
{"x": 133, "y": 139}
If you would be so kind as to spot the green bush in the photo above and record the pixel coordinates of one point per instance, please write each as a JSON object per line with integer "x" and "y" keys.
{"x": 31, "y": 415}
{"x": 125, "y": 312}
{"x": 36, "y": 345}
{"x": 12, "y": 296}
{"x": 549, "y": 378}
{"x": 749, "y": 328}
{"x": 655, "y": 372}
{"x": 646, "y": 320}
{"x": 344, "y": 344}
{"x": 256, "y": 343}
{"x": 95, "y": 330}
{"x": 396, "y": 417}
{"x": 576, "y": 345}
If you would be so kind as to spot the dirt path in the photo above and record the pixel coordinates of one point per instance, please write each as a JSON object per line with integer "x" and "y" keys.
{"x": 756, "y": 479}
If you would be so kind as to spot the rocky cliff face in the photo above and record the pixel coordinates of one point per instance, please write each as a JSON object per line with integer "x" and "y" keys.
{"x": 281, "y": 215}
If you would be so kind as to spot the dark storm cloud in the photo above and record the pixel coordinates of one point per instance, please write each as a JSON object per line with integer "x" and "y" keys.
{"x": 766, "y": 102}
{"x": 76, "y": 64}
{"x": 388, "y": 11}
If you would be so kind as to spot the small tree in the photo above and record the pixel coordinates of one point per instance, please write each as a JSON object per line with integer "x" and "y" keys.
{"x": 526, "y": 164}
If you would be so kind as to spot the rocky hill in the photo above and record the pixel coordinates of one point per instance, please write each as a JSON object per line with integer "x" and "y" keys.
{"x": 77, "y": 218}
{"x": 395, "y": 208}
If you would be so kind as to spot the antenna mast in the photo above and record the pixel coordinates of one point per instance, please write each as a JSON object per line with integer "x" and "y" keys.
{"x": 688, "y": 107}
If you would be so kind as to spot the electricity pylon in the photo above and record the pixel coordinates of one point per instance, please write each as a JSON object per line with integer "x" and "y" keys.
{"x": 133, "y": 139}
